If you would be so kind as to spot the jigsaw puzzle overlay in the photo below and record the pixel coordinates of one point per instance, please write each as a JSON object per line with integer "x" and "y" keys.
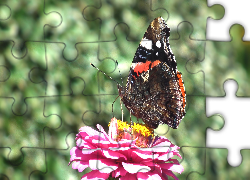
{"x": 49, "y": 90}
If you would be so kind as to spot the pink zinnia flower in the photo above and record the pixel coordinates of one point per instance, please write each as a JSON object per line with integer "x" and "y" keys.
{"x": 125, "y": 153}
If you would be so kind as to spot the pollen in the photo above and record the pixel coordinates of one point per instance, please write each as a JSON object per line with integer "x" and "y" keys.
{"x": 136, "y": 127}
{"x": 140, "y": 132}
{"x": 143, "y": 129}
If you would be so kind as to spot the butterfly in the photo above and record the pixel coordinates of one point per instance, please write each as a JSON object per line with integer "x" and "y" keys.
{"x": 155, "y": 89}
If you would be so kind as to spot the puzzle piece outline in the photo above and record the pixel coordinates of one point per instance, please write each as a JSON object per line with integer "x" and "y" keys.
{"x": 65, "y": 59}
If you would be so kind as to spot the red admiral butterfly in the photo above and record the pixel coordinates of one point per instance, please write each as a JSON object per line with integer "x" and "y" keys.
{"x": 155, "y": 90}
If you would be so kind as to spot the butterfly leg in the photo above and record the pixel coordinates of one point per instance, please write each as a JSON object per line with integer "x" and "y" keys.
{"x": 131, "y": 122}
{"x": 113, "y": 106}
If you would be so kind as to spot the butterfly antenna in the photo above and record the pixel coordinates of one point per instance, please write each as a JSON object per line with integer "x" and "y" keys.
{"x": 104, "y": 73}
{"x": 119, "y": 70}
{"x": 122, "y": 83}
{"x": 113, "y": 105}
{"x": 116, "y": 82}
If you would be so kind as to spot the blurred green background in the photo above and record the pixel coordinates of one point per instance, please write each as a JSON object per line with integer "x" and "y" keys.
{"x": 49, "y": 90}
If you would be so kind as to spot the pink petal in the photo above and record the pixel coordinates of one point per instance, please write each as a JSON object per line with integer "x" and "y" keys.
{"x": 134, "y": 168}
{"x": 126, "y": 144}
{"x": 104, "y": 133}
{"x": 103, "y": 155}
{"x": 149, "y": 176}
{"x": 161, "y": 141}
{"x": 175, "y": 161}
{"x": 82, "y": 151}
{"x": 103, "y": 165}
{"x": 169, "y": 173}
{"x": 72, "y": 151}
{"x": 88, "y": 131}
{"x": 113, "y": 129}
{"x": 165, "y": 148}
{"x": 84, "y": 157}
{"x": 145, "y": 155}
{"x": 94, "y": 175}
{"x": 172, "y": 167}
{"x": 149, "y": 163}
{"x": 120, "y": 171}
{"x": 79, "y": 166}
{"x": 177, "y": 154}
{"x": 113, "y": 155}
{"x": 165, "y": 157}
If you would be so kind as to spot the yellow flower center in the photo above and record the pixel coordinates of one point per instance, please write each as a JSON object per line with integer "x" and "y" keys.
{"x": 138, "y": 131}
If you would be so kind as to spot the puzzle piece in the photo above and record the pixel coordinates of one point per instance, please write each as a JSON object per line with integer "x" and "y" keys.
{"x": 234, "y": 13}
{"x": 73, "y": 29}
{"x": 31, "y": 162}
{"x": 24, "y": 136}
{"x": 68, "y": 93}
{"x": 5, "y": 73}
{"x": 184, "y": 48}
{"x": 19, "y": 26}
{"x": 5, "y": 12}
{"x": 74, "y": 116}
{"x": 77, "y": 111}
{"x": 111, "y": 13}
{"x": 192, "y": 168}
{"x": 132, "y": 104}
{"x": 56, "y": 161}
{"x": 17, "y": 84}
{"x": 110, "y": 159}
{"x": 227, "y": 107}
{"x": 193, "y": 125}
{"x": 199, "y": 12}
{"x": 63, "y": 76}
{"x": 83, "y": 102}
{"x": 192, "y": 138}
{"x": 152, "y": 9}
{"x": 221, "y": 64}
{"x": 217, "y": 166}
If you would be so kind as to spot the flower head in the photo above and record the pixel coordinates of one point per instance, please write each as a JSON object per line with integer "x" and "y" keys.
{"x": 141, "y": 133}
{"x": 125, "y": 153}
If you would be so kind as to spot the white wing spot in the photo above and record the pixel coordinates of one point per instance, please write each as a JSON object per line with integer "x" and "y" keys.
{"x": 146, "y": 43}
{"x": 158, "y": 44}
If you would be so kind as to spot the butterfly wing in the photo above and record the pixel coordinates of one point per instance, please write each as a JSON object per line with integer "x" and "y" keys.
{"x": 155, "y": 90}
